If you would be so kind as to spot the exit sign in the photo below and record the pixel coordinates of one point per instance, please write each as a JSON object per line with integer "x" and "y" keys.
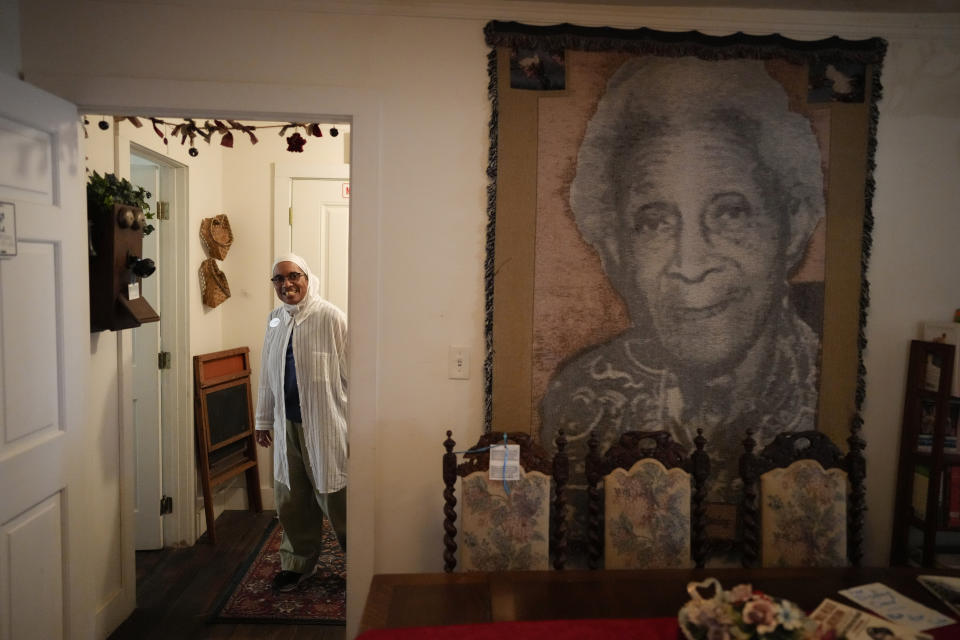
{"x": 345, "y": 190}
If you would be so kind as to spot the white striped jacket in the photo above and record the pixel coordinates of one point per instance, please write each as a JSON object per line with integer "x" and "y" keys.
{"x": 320, "y": 354}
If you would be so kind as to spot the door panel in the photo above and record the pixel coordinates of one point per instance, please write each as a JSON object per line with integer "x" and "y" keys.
{"x": 320, "y": 232}
{"x": 336, "y": 243}
{"x": 33, "y": 546}
{"x": 148, "y": 526}
{"x": 44, "y": 360}
{"x": 30, "y": 340}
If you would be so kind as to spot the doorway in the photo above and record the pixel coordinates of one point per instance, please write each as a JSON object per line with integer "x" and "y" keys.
{"x": 164, "y": 173}
{"x": 160, "y": 361}
{"x": 362, "y": 108}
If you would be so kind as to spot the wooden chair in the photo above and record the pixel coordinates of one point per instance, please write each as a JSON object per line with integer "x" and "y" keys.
{"x": 802, "y": 501}
{"x": 521, "y": 530}
{"x": 653, "y": 515}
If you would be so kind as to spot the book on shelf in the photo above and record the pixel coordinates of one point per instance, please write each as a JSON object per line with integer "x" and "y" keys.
{"x": 921, "y": 484}
{"x": 953, "y": 497}
{"x": 928, "y": 424}
{"x": 925, "y": 443}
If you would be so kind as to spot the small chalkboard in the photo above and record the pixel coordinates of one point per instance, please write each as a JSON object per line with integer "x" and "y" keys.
{"x": 226, "y": 442}
{"x": 227, "y": 412}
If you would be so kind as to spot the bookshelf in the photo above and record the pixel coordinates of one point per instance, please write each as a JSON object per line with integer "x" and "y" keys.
{"x": 928, "y": 476}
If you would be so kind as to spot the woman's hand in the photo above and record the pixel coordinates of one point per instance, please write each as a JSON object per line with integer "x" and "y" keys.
{"x": 264, "y": 438}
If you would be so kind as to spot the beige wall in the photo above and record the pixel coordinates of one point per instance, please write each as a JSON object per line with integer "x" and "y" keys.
{"x": 427, "y": 77}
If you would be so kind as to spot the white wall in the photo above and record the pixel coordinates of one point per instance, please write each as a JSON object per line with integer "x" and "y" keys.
{"x": 427, "y": 76}
{"x": 109, "y": 403}
{"x": 10, "y": 37}
{"x": 913, "y": 272}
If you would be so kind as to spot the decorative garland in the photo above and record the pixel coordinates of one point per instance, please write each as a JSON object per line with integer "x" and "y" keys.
{"x": 188, "y": 129}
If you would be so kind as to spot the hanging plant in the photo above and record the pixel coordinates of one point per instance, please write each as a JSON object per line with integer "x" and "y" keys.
{"x": 107, "y": 190}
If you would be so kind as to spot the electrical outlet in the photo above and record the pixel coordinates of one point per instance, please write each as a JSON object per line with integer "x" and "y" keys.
{"x": 458, "y": 363}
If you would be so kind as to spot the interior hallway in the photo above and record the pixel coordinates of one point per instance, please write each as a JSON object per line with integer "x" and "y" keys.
{"x": 177, "y": 589}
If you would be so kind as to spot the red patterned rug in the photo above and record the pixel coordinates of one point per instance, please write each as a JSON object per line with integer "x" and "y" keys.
{"x": 320, "y": 599}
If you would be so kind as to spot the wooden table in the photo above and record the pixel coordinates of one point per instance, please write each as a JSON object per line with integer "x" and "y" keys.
{"x": 431, "y": 599}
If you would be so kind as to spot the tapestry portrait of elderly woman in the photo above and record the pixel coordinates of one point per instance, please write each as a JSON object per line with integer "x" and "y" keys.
{"x": 699, "y": 191}
{"x": 683, "y": 273}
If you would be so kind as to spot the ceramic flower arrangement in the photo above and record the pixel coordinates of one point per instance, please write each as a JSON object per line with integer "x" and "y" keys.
{"x": 744, "y": 614}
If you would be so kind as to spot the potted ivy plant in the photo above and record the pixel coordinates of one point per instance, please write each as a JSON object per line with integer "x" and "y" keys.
{"x": 107, "y": 190}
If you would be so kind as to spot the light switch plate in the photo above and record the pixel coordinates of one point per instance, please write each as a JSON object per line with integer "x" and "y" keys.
{"x": 458, "y": 363}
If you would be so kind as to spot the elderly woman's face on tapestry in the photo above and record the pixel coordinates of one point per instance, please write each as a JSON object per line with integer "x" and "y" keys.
{"x": 699, "y": 195}
{"x": 701, "y": 246}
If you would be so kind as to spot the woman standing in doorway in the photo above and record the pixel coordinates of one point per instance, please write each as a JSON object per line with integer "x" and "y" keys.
{"x": 302, "y": 411}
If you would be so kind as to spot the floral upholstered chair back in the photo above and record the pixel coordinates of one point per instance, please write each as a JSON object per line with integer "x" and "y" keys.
{"x": 795, "y": 503}
{"x": 652, "y": 502}
{"x": 803, "y": 515}
{"x": 505, "y": 526}
{"x": 501, "y": 531}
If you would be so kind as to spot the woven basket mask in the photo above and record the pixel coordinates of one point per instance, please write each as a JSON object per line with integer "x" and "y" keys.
{"x": 213, "y": 283}
{"x": 216, "y": 235}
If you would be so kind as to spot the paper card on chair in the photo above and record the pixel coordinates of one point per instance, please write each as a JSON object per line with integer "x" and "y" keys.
{"x": 896, "y": 607}
{"x": 505, "y": 462}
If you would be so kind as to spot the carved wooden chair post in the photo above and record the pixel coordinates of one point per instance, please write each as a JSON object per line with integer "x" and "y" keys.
{"x": 501, "y": 531}
{"x": 594, "y": 472}
{"x": 558, "y": 529}
{"x": 699, "y": 468}
{"x": 449, "y": 504}
{"x": 857, "y": 500}
{"x": 802, "y": 501}
{"x": 749, "y": 518}
{"x": 653, "y": 502}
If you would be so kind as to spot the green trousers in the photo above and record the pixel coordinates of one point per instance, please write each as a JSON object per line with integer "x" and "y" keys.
{"x": 301, "y": 509}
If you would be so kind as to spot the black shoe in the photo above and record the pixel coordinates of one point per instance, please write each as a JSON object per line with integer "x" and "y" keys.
{"x": 286, "y": 581}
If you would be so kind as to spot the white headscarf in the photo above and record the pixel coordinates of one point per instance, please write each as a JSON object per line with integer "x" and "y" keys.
{"x": 312, "y": 300}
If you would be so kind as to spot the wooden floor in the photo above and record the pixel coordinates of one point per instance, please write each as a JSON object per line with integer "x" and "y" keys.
{"x": 177, "y": 589}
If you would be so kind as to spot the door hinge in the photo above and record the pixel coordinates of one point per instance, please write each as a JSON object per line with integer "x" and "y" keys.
{"x": 163, "y": 210}
{"x": 163, "y": 360}
{"x": 166, "y": 505}
{"x": 290, "y": 216}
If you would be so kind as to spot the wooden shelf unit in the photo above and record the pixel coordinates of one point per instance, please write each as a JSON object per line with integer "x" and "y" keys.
{"x": 924, "y": 355}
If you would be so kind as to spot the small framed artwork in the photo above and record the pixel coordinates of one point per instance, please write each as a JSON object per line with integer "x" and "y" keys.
{"x": 8, "y": 229}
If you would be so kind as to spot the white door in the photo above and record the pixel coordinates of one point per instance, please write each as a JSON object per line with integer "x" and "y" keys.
{"x": 320, "y": 232}
{"x": 44, "y": 358}
{"x": 148, "y": 525}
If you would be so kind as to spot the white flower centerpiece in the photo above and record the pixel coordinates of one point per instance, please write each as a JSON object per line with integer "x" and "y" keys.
{"x": 744, "y": 614}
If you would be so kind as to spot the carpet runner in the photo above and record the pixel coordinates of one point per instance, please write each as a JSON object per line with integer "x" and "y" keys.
{"x": 320, "y": 599}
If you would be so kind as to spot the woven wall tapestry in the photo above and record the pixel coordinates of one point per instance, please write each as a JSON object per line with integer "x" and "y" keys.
{"x": 678, "y": 234}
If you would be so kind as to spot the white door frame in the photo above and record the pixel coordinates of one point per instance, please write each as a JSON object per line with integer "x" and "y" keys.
{"x": 176, "y": 384}
{"x": 362, "y": 108}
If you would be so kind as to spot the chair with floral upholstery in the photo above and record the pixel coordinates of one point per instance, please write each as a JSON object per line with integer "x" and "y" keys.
{"x": 517, "y": 525}
{"x": 799, "y": 502}
{"x": 653, "y": 516}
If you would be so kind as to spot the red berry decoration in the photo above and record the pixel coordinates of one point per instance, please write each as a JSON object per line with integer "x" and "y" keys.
{"x": 333, "y": 132}
{"x": 193, "y": 152}
{"x": 295, "y": 143}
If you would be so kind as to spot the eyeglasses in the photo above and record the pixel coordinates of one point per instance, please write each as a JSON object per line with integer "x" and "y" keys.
{"x": 293, "y": 276}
